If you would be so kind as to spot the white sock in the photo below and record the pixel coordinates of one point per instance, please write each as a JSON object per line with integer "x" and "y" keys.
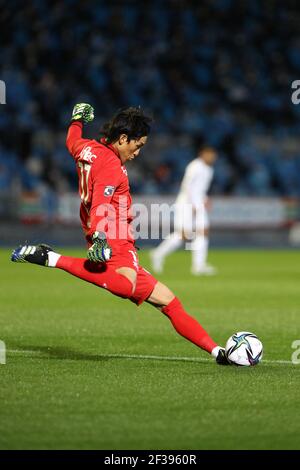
{"x": 215, "y": 351}
{"x": 199, "y": 248}
{"x": 53, "y": 258}
{"x": 169, "y": 245}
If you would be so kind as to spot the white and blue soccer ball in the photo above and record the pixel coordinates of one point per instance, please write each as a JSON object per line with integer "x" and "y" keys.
{"x": 244, "y": 349}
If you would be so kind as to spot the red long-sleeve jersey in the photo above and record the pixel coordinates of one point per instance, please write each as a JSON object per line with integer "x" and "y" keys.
{"x": 103, "y": 187}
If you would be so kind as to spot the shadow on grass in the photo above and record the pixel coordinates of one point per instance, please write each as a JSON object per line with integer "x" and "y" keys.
{"x": 54, "y": 352}
{"x": 62, "y": 353}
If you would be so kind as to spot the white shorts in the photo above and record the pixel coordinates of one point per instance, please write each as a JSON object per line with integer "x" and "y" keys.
{"x": 189, "y": 222}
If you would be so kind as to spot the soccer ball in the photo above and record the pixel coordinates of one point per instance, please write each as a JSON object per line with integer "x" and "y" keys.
{"x": 244, "y": 349}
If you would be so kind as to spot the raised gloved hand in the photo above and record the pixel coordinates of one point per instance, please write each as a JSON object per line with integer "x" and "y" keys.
{"x": 83, "y": 112}
{"x": 100, "y": 251}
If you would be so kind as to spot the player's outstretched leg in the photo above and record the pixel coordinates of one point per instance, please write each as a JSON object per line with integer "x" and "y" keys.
{"x": 96, "y": 273}
{"x": 36, "y": 254}
{"x": 184, "y": 324}
{"x": 188, "y": 327}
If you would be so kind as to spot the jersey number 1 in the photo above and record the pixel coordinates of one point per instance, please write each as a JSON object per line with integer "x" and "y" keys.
{"x": 85, "y": 169}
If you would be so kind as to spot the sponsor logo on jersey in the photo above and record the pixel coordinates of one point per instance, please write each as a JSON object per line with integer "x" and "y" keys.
{"x": 109, "y": 190}
{"x": 87, "y": 155}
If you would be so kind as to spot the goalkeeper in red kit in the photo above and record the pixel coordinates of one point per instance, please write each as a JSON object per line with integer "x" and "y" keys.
{"x": 112, "y": 261}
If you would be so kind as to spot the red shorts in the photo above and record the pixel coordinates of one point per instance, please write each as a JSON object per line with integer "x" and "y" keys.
{"x": 124, "y": 255}
{"x": 145, "y": 284}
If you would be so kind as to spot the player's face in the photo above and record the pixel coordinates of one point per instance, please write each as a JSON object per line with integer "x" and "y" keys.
{"x": 130, "y": 150}
{"x": 209, "y": 156}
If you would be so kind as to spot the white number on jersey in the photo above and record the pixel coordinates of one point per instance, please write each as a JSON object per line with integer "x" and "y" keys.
{"x": 85, "y": 169}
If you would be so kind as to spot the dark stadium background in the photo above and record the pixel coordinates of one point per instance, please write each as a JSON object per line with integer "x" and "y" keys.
{"x": 216, "y": 71}
{"x": 80, "y": 368}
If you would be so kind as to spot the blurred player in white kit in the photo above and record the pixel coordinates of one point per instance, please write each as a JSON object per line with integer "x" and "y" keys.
{"x": 191, "y": 215}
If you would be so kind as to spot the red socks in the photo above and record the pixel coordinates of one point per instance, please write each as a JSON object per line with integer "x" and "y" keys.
{"x": 106, "y": 277}
{"x": 98, "y": 274}
{"x": 187, "y": 326}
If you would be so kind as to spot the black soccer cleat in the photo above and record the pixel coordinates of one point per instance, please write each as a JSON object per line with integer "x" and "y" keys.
{"x": 221, "y": 358}
{"x": 36, "y": 254}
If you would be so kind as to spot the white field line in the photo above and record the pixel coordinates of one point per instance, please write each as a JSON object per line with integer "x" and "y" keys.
{"x": 28, "y": 352}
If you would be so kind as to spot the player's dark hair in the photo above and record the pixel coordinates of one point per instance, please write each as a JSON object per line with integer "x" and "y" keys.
{"x": 130, "y": 121}
{"x": 200, "y": 145}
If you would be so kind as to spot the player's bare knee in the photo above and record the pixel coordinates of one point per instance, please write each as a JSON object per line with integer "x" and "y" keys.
{"x": 161, "y": 295}
{"x": 200, "y": 232}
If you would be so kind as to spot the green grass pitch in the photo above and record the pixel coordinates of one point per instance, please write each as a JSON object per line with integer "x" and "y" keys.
{"x": 80, "y": 371}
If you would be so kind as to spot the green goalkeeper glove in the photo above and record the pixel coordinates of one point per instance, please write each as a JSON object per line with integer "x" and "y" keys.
{"x": 100, "y": 251}
{"x": 83, "y": 112}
